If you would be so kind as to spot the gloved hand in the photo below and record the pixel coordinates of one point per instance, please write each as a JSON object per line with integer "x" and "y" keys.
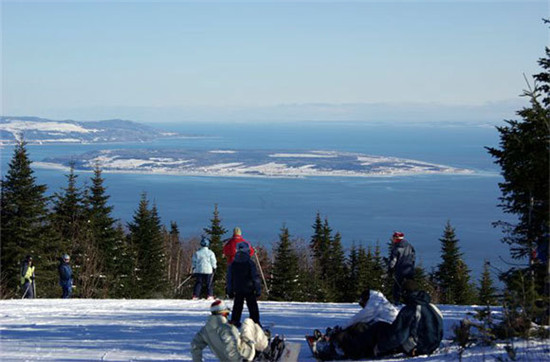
{"x": 27, "y": 280}
{"x": 32, "y": 278}
{"x": 258, "y": 293}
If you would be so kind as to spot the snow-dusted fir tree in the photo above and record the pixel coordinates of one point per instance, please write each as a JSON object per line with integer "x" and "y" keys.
{"x": 486, "y": 291}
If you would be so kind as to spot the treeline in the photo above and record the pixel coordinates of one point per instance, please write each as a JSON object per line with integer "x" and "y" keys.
{"x": 146, "y": 259}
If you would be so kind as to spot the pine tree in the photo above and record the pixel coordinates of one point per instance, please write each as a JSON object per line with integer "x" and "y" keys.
{"x": 338, "y": 274}
{"x": 486, "y": 290}
{"x": 285, "y": 272}
{"x": 215, "y": 233}
{"x": 103, "y": 231}
{"x": 452, "y": 273}
{"x": 174, "y": 256}
{"x": 351, "y": 286}
{"x": 23, "y": 217}
{"x": 146, "y": 236}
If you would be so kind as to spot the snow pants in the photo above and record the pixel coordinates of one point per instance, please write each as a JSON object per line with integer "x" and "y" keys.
{"x": 201, "y": 279}
{"x": 27, "y": 290}
{"x": 252, "y": 305}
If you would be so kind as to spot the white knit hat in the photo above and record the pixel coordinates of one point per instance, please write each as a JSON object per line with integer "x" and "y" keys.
{"x": 218, "y": 306}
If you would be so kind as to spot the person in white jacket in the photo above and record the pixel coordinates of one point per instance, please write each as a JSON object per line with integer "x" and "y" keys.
{"x": 357, "y": 337}
{"x": 204, "y": 268}
{"x": 225, "y": 340}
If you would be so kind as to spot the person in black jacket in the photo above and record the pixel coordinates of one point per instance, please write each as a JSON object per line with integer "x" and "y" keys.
{"x": 243, "y": 283}
{"x": 418, "y": 328}
{"x": 65, "y": 276}
{"x": 402, "y": 260}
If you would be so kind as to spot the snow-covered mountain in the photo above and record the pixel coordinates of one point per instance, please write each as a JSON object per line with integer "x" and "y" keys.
{"x": 40, "y": 131}
{"x": 162, "y": 330}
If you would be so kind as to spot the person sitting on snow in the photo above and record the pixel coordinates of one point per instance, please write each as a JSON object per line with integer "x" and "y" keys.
{"x": 418, "y": 328}
{"x": 225, "y": 340}
{"x": 357, "y": 337}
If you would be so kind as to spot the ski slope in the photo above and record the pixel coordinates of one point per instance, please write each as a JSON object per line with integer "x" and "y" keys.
{"x": 147, "y": 330}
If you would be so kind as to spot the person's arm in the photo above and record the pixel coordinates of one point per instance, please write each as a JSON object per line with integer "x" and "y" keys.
{"x": 213, "y": 260}
{"x": 255, "y": 279}
{"x": 197, "y": 345}
{"x": 365, "y": 315}
{"x": 229, "y": 283}
{"x": 393, "y": 257}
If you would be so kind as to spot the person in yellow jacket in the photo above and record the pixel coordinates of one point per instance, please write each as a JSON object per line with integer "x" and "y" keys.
{"x": 225, "y": 340}
{"x": 27, "y": 277}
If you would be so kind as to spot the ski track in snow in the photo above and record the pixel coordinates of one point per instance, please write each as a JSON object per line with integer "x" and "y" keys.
{"x": 135, "y": 330}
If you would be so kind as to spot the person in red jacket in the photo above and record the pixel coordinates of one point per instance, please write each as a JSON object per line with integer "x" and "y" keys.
{"x": 230, "y": 246}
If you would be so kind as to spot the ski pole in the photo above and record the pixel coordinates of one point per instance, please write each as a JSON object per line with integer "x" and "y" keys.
{"x": 185, "y": 281}
{"x": 33, "y": 285}
{"x": 261, "y": 272}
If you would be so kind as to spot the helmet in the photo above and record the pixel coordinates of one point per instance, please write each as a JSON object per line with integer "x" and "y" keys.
{"x": 205, "y": 241}
{"x": 66, "y": 257}
{"x": 218, "y": 307}
{"x": 237, "y": 231}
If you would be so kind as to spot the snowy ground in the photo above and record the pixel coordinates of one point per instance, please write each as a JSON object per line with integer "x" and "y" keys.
{"x": 124, "y": 330}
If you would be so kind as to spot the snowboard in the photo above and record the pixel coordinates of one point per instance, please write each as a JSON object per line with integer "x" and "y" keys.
{"x": 290, "y": 352}
{"x": 311, "y": 344}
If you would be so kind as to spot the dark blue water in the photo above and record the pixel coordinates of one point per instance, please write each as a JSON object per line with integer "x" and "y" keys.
{"x": 363, "y": 210}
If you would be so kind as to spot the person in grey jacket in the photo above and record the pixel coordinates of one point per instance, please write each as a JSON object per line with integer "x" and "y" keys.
{"x": 402, "y": 260}
{"x": 225, "y": 340}
{"x": 204, "y": 268}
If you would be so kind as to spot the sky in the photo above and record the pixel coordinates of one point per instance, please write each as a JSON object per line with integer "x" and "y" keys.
{"x": 288, "y": 60}
{"x": 162, "y": 330}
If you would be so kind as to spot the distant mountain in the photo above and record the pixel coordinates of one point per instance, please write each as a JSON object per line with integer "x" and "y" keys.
{"x": 40, "y": 131}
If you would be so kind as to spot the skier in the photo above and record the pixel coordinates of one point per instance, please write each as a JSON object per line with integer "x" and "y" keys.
{"x": 27, "y": 277}
{"x": 204, "y": 268}
{"x": 224, "y": 339}
{"x": 243, "y": 283}
{"x": 65, "y": 276}
{"x": 230, "y": 245}
{"x": 357, "y": 337}
{"x": 402, "y": 260}
{"x": 418, "y": 328}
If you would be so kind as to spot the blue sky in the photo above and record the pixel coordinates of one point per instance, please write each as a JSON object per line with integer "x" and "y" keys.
{"x": 222, "y": 60}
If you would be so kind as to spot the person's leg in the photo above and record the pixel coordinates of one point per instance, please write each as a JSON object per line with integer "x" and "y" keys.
{"x": 209, "y": 285}
{"x": 237, "y": 310}
{"x": 26, "y": 290}
{"x": 253, "y": 332}
{"x": 252, "y": 305}
{"x": 198, "y": 286}
{"x": 397, "y": 290}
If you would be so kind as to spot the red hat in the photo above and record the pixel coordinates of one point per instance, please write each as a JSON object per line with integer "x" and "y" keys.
{"x": 398, "y": 235}
{"x": 218, "y": 307}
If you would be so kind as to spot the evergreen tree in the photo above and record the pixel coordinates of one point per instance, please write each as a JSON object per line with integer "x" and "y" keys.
{"x": 524, "y": 158}
{"x": 351, "y": 286}
{"x": 285, "y": 272}
{"x": 215, "y": 233}
{"x": 23, "y": 216}
{"x": 486, "y": 290}
{"x": 317, "y": 239}
{"x": 124, "y": 265}
{"x": 452, "y": 273}
{"x": 337, "y": 273}
{"x": 146, "y": 237}
{"x": 103, "y": 231}
{"x": 174, "y": 257}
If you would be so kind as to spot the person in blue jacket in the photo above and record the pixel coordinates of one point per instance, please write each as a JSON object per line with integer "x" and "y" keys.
{"x": 243, "y": 283}
{"x": 401, "y": 266}
{"x": 65, "y": 276}
{"x": 204, "y": 268}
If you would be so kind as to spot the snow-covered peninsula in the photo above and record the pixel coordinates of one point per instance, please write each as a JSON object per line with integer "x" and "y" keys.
{"x": 248, "y": 163}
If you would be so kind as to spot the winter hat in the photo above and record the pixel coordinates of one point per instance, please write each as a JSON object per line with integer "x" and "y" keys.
{"x": 398, "y": 235}
{"x": 66, "y": 257}
{"x": 218, "y": 307}
{"x": 243, "y": 246}
{"x": 237, "y": 231}
{"x": 205, "y": 241}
